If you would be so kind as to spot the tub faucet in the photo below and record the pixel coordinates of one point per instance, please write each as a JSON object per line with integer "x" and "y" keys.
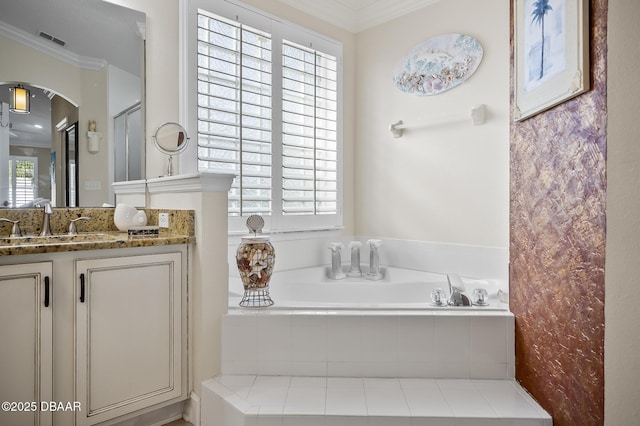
{"x": 457, "y": 294}
{"x": 355, "y": 270}
{"x": 374, "y": 260}
{"x": 336, "y": 261}
{"x": 46, "y": 227}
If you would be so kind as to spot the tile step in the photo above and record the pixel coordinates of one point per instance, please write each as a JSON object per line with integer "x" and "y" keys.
{"x": 254, "y": 400}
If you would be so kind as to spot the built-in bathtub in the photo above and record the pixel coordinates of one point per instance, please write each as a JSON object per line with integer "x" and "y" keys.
{"x": 357, "y": 327}
{"x": 363, "y": 352}
{"x": 311, "y": 288}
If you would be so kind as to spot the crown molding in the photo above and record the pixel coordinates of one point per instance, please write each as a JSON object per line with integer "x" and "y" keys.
{"x": 358, "y": 19}
{"x": 383, "y": 11}
{"x": 48, "y": 48}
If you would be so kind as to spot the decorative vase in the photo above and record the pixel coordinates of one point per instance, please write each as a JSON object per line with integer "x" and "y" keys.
{"x": 255, "y": 258}
{"x": 125, "y": 216}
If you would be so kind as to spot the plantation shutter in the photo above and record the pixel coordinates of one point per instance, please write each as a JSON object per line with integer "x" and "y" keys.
{"x": 309, "y": 131}
{"x": 235, "y": 110}
{"x": 23, "y": 187}
{"x": 268, "y": 111}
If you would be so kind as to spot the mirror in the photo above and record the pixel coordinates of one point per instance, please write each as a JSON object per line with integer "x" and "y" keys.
{"x": 171, "y": 139}
{"x": 88, "y": 54}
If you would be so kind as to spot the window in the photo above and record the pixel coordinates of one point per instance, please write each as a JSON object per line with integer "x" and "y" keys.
{"x": 23, "y": 183}
{"x": 268, "y": 112}
{"x": 234, "y": 110}
{"x": 309, "y": 131}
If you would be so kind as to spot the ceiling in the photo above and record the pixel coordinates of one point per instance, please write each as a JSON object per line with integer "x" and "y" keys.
{"x": 90, "y": 28}
{"x": 358, "y": 15}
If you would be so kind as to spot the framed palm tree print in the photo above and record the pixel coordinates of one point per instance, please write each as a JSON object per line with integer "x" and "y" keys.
{"x": 551, "y": 53}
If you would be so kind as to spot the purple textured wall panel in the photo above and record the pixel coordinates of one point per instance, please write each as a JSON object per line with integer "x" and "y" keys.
{"x": 557, "y": 246}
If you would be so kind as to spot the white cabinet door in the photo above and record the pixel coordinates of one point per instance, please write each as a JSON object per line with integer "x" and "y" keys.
{"x": 129, "y": 334}
{"x": 26, "y": 370}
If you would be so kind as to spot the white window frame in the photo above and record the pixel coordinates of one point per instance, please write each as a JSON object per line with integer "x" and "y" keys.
{"x": 279, "y": 30}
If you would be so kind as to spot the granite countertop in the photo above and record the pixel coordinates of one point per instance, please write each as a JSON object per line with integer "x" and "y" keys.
{"x": 86, "y": 241}
{"x": 97, "y": 234}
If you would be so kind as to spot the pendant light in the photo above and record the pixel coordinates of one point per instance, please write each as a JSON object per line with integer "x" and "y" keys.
{"x": 20, "y": 100}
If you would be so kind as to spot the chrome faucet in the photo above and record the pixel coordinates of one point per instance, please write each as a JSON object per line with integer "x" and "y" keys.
{"x": 355, "y": 270}
{"x": 457, "y": 291}
{"x": 15, "y": 229}
{"x": 336, "y": 261}
{"x": 46, "y": 227}
{"x": 73, "y": 228}
{"x": 374, "y": 260}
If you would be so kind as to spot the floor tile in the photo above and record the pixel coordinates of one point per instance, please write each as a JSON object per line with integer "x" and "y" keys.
{"x": 346, "y": 402}
{"x": 249, "y": 400}
{"x": 424, "y": 398}
{"x": 303, "y": 400}
{"x": 384, "y": 397}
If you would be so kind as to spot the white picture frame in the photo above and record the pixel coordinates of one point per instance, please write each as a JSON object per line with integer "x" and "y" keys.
{"x": 551, "y": 46}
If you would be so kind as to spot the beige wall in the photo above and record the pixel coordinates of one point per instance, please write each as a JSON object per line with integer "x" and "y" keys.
{"x": 59, "y": 76}
{"x": 622, "y": 272}
{"x": 94, "y": 167}
{"x": 444, "y": 180}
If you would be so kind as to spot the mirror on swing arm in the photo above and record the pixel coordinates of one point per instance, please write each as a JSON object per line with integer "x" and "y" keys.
{"x": 171, "y": 139}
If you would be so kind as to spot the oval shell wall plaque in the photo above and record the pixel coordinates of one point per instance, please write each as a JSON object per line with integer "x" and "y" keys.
{"x": 438, "y": 64}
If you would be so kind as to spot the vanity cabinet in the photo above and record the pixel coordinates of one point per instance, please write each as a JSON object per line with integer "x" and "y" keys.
{"x": 102, "y": 332}
{"x": 26, "y": 349}
{"x": 130, "y": 314}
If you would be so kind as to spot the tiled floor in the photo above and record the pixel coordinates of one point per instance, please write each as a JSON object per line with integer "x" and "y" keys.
{"x": 333, "y": 401}
{"x": 179, "y": 423}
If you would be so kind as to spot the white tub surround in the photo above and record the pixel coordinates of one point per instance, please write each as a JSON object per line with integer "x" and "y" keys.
{"x": 360, "y": 352}
{"x": 307, "y": 250}
{"x": 449, "y": 343}
{"x": 358, "y": 367}
{"x": 397, "y": 288}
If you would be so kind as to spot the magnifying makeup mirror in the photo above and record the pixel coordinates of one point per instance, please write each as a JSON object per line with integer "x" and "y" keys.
{"x": 170, "y": 138}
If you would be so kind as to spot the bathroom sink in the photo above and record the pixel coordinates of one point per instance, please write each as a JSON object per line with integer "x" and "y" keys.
{"x": 62, "y": 239}
{"x": 89, "y": 236}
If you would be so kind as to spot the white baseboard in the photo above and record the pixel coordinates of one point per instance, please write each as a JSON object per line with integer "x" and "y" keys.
{"x": 155, "y": 417}
{"x": 192, "y": 410}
